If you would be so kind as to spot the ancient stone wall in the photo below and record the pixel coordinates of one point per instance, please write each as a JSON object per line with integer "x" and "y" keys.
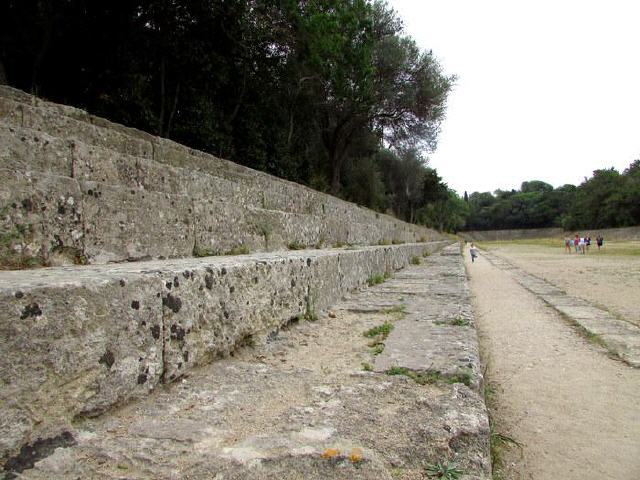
{"x": 75, "y": 188}
{"x": 77, "y": 341}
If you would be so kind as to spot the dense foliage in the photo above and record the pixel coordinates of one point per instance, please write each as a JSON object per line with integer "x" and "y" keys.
{"x": 607, "y": 199}
{"x": 330, "y": 93}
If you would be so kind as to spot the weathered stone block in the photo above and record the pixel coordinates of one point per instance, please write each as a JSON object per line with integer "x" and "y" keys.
{"x": 25, "y": 150}
{"x": 50, "y": 120}
{"x": 41, "y": 218}
{"x": 221, "y": 227}
{"x": 11, "y": 112}
{"x": 133, "y": 224}
{"x": 81, "y": 340}
{"x": 74, "y": 347}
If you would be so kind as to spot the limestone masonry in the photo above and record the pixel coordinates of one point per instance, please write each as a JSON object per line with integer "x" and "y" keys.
{"x": 142, "y": 237}
{"x": 75, "y": 188}
{"x": 299, "y": 405}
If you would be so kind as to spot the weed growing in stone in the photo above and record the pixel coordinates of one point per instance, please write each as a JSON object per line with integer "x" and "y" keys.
{"x": 367, "y": 367}
{"x": 400, "y": 308}
{"x": 381, "y": 330}
{"x": 497, "y": 444}
{"x": 239, "y": 250}
{"x": 448, "y": 471}
{"x": 387, "y": 275}
{"x": 429, "y": 377}
{"x": 397, "y": 241}
{"x": 296, "y": 245}
{"x": 426, "y": 254}
{"x": 458, "y": 321}
{"x": 375, "y": 279}
{"x": 338, "y": 244}
{"x": 199, "y": 251}
{"x": 310, "y": 312}
{"x": 415, "y": 260}
{"x": 379, "y": 334}
{"x": 397, "y": 311}
{"x": 384, "y": 241}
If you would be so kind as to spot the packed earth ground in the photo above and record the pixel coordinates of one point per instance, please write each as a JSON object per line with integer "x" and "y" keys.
{"x": 561, "y": 406}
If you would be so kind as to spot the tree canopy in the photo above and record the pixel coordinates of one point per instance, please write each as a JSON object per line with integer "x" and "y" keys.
{"x": 607, "y": 199}
{"x": 329, "y": 93}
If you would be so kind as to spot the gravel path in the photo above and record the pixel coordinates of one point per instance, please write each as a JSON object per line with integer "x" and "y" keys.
{"x": 575, "y": 410}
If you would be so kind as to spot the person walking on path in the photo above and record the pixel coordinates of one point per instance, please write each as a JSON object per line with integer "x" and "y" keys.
{"x": 567, "y": 245}
{"x": 473, "y": 251}
{"x": 576, "y": 242}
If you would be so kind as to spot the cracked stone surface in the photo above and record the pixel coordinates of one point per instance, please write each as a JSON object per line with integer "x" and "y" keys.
{"x": 78, "y": 188}
{"x": 301, "y": 404}
{"x": 622, "y": 338}
{"x": 439, "y": 314}
{"x": 81, "y": 340}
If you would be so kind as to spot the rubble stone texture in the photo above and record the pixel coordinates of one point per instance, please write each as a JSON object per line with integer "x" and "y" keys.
{"x": 75, "y": 188}
{"x": 147, "y": 298}
{"x": 78, "y": 341}
{"x": 300, "y": 405}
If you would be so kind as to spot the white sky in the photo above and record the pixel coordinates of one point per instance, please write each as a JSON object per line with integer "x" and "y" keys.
{"x": 547, "y": 90}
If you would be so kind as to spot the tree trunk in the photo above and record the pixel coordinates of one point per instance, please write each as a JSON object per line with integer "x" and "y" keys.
{"x": 163, "y": 95}
{"x": 335, "y": 177}
{"x": 173, "y": 111}
{"x": 3, "y": 75}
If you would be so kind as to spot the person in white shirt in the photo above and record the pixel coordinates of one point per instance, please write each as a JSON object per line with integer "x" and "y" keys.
{"x": 473, "y": 251}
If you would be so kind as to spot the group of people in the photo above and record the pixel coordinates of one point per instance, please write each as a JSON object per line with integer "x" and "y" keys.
{"x": 581, "y": 244}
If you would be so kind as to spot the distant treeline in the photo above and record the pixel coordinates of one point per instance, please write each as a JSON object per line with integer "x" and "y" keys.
{"x": 608, "y": 199}
{"x": 329, "y": 93}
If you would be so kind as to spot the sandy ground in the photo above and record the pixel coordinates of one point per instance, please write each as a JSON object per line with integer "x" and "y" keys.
{"x": 606, "y": 278}
{"x": 575, "y": 410}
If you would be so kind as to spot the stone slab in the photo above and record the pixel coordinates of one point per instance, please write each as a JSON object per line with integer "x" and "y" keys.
{"x": 298, "y": 406}
{"x": 83, "y": 339}
{"x": 425, "y": 340}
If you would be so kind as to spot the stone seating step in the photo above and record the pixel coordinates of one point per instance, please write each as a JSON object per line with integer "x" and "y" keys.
{"x": 442, "y": 315}
{"x": 75, "y": 188}
{"x": 302, "y": 405}
{"x": 78, "y": 341}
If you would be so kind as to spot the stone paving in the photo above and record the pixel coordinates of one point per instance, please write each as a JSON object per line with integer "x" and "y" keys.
{"x": 80, "y": 340}
{"x": 620, "y": 337}
{"x": 310, "y": 402}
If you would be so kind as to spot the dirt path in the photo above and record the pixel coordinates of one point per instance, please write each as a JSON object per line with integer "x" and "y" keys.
{"x": 576, "y": 411}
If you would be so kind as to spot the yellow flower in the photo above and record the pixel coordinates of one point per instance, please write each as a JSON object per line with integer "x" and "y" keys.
{"x": 355, "y": 455}
{"x": 330, "y": 453}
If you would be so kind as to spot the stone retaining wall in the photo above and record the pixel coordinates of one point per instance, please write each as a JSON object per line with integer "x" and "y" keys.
{"x": 75, "y": 188}
{"x": 77, "y": 341}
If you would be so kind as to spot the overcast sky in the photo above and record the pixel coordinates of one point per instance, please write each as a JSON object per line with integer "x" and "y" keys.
{"x": 547, "y": 89}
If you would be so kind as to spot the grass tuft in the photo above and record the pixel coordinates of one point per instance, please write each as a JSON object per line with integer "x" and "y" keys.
{"x": 381, "y": 330}
{"x": 296, "y": 245}
{"x": 429, "y": 377}
{"x": 395, "y": 310}
{"x": 375, "y": 279}
{"x": 448, "y": 471}
{"x": 458, "y": 321}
